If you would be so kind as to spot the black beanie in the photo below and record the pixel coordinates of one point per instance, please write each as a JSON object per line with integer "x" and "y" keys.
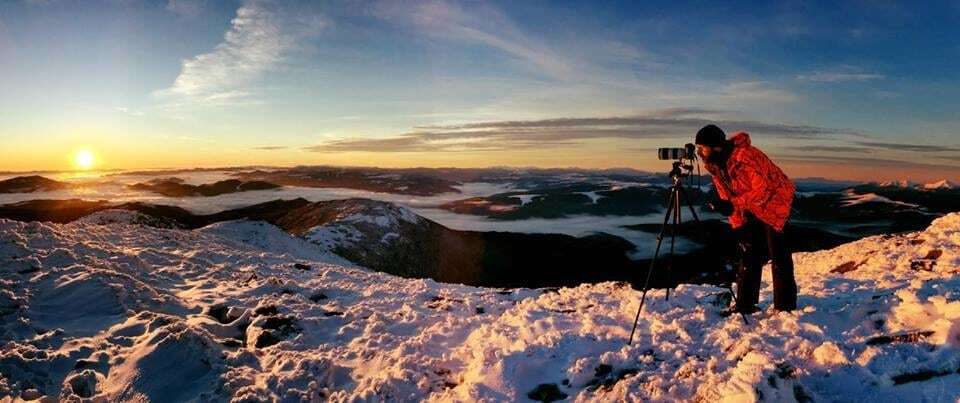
{"x": 711, "y": 135}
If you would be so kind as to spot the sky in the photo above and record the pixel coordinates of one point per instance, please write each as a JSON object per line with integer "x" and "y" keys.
{"x": 861, "y": 90}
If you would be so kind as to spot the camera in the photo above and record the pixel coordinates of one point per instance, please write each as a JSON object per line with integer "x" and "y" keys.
{"x": 687, "y": 152}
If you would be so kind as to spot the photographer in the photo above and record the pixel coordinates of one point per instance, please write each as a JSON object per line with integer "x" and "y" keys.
{"x": 757, "y": 196}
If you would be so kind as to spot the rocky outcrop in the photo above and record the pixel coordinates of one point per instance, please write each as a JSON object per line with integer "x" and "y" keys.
{"x": 174, "y": 187}
{"x": 30, "y": 184}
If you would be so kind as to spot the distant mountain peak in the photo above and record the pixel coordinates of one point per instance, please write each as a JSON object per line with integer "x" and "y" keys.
{"x": 901, "y": 183}
{"x": 941, "y": 184}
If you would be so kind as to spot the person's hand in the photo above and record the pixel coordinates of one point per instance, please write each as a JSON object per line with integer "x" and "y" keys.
{"x": 721, "y": 207}
{"x": 712, "y": 168}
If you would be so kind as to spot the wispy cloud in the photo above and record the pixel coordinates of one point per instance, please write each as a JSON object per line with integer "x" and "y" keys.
{"x": 864, "y": 162}
{"x": 128, "y": 111}
{"x": 562, "y": 132}
{"x": 829, "y": 148}
{"x": 270, "y": 148}
{"x": 196, "y": 139}
{"x": 186, "y": 8}
{"x": 261, "y": 36}
{"x": 839, "y": 77}
{"x": 923, "y": 148}
{"x": 482, "y": 24}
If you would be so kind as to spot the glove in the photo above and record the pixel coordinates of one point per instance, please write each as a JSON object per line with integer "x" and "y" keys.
{"x": 721, "y": 207}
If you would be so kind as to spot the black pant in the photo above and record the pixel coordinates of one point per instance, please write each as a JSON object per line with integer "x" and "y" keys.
{"x": 758, "y": 243}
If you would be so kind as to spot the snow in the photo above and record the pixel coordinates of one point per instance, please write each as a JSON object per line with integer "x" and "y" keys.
{"x": 353, "y": 222}
{"x": 852, "y": 199}
{"x": 240, "y": 310}
{"x": 526, "y": 198}
{"x": 112, "y": 216}
{"x": 329, "y": 237}
{"x": 902, "y": 183}
{"x": 593, "y": 196}
{"x": 941, "y": 184}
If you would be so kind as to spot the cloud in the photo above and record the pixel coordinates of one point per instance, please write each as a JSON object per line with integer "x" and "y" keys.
{"x": 839, "y": 77}
{"x": 562, "y": 132}
{"x": 270, "y": 148}
{"x": 261, "y": 36}
{"x": 754, "y": 91}
{"x": 909, "y": 147}
{"x": 186, "y": 8}
{"x": 482, "y": 24}
{"x": 196, "y": 139}
{"x": 826, "y": 148}
{"x": 864, "y": 162}
{"x": 128, "y": 111}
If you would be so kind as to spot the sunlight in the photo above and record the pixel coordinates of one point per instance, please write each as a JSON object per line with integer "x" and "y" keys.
{"x": 84, "y": 159}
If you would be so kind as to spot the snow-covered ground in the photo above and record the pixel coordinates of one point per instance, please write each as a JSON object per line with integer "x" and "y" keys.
{"x": 241, "y": 310}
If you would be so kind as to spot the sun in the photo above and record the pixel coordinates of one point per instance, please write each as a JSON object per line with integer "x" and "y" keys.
{"x": 84, "y": 159}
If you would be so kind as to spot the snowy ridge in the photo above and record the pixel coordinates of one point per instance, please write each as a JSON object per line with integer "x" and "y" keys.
{"x": 902, "y": 183}
{"x": 121, "y": 216}
{"x": 942, "y": 184}
{"x": 239, "y": 311}
{"x": 363, "y": 222}
{"x": 379, "y": 213}
{"x": 852, "y": 199}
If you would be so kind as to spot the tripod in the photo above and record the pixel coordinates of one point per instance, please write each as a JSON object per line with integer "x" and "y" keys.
{"x": 678, "y": 197}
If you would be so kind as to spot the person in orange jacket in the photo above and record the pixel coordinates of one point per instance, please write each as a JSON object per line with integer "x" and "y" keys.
{"x": 758, "y": 198}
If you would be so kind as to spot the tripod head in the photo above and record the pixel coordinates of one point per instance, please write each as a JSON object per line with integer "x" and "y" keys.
{"x": 681, "y": 170}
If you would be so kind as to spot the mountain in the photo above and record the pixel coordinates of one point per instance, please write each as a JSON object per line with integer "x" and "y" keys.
{"x": 388, "y": 238}
{"x": 566, "y": 200}
{"x": 174, "y": 187}
{"x": 817, "y": 184}
{"x": 408, "y": 182}
{"x": 902, "y": 183}
{"x": 107, "y": 310}
{"x": 940, "y": 185}
{"x": 391, "y": 239}
{"x": 940, "y": 198}
{"x": 30, "y": 184}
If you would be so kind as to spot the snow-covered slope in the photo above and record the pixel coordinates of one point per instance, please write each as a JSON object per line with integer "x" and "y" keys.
{"x": 902, "y": 183}
{"x": 362, "y": 223}
{"x": 243, "y": 311}
{"x": 851, "y": 199}
{"x": 941, "y": 184}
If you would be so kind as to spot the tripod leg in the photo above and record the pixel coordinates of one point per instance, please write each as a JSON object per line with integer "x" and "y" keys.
{"x": 692, "y": 210}
{"x": 733, "y": 296}
{"x": 673, "y": 238}
{"x": 653, "y": 262}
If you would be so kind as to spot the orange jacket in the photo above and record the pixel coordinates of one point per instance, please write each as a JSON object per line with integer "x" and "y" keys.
{"x": 752, "y": 182}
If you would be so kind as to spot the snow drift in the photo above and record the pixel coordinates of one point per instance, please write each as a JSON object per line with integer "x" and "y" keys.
{"x": 110, "y": 308}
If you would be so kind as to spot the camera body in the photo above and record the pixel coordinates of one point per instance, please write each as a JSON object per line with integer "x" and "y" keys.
{"x": 687, "y": 152}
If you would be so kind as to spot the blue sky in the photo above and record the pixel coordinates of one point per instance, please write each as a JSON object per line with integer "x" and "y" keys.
{"x": 820, "y": 85}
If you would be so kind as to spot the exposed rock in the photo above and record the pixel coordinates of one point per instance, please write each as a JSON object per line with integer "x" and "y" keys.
{"x": 30, "y": 184}
{"x": 546, "y": 392}
{"x": 174, "y": 187}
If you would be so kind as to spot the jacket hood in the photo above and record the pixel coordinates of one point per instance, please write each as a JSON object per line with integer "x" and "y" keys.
{"x": 741, "y": 139}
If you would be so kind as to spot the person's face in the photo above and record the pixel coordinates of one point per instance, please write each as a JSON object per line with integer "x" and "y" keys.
{"x": 704, "y": 152}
